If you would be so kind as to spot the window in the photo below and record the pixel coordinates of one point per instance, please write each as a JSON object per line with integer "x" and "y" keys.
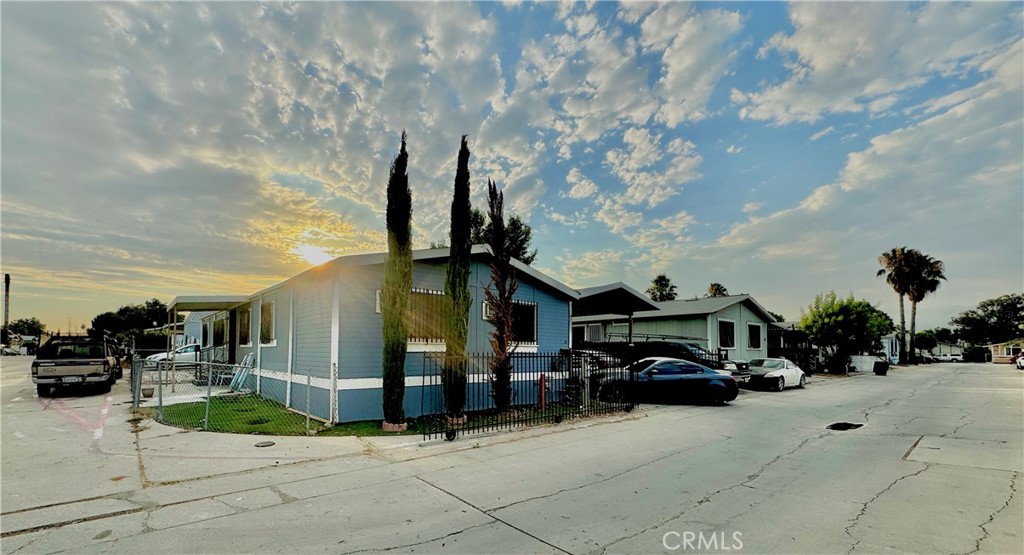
{"x": 754, "y": 336}
{"x": 426, "y": 316}
{"x": 245, "y": 326}
{"x": 206, "y": 334}
{"x": 524, "y": 322}
{"x": 594, "y": 332}
{"x": 267, "y": 322}
{"x": 726, "y": 334}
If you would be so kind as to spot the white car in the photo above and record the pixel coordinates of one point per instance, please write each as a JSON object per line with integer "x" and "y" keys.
{"x": 947, "y": 357}
{"x": 777, "y": 373}
{"x": 187, "y": 354}
{"x": 1020, "y": 362}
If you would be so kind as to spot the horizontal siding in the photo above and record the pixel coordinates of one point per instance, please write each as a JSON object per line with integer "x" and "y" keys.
{"x": 312, "y": 351}
{"x": 361, "y": 336}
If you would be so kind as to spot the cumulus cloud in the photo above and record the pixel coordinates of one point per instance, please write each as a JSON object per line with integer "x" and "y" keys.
{"x": 822, "y": 133}
{"x": 960, "y": 168}
{"x": 751, "y": 207}
{"x": 733, "y": 149}
{"x": 841, "y": 61}
{"x": 581, "y": 186}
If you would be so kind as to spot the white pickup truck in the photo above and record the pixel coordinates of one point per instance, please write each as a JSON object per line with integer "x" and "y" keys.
{"x": 949, "y": 357}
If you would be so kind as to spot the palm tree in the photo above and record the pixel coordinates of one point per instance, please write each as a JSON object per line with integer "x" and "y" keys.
{"x": 897, "y": 274}
{"x": 928, "y": 275}
{"x": 717, "y": 290}
{"x": 661, "y": 289}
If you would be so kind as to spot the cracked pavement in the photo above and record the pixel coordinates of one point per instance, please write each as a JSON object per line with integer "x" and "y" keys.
{"x": 935, "y": 468}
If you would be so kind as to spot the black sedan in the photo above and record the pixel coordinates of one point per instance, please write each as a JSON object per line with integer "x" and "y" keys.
{"x": 660, "y": 379}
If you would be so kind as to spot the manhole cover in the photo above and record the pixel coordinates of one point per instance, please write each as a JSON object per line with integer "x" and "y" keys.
{"x": 264, "y": 444}
{"x": 843, "y": 426}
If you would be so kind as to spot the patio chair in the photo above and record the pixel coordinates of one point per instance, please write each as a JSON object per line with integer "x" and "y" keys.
{"x": 241, "y": 374}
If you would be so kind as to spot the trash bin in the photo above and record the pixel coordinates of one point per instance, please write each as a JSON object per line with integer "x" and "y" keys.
{"x": 881, "y": 367}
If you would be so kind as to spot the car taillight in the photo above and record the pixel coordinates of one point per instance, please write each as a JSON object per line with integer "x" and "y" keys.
{"x": 35, "y": 367}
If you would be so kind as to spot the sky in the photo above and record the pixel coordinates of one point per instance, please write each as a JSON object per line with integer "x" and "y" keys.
{"x": 155, "y": 150}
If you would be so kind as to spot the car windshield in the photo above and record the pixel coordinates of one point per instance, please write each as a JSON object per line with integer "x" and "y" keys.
{"x": 766, "y": 363}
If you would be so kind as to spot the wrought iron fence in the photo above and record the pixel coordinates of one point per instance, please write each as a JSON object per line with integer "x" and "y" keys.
{"x": 539, "y": 388}
{"x": 219, "y": 398}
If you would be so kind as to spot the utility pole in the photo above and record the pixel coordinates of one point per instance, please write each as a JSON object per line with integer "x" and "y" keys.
{"x": 7, "y": 306}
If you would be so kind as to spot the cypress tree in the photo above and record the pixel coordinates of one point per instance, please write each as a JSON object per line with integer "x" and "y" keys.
{"x": 397, "y": 286}
{"x": 456, "y": 290}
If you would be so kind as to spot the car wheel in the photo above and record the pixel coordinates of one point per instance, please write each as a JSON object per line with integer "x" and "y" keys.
{"x": 781, "y": 384}
{"x": 803, "y": 382}
{"x": 43, "y": 390}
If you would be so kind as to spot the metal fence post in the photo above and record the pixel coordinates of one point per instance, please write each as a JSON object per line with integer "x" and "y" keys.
{"x": 160, "y": 391}
{"x": 209, "y": 392}
{"x": 307, "y": 402}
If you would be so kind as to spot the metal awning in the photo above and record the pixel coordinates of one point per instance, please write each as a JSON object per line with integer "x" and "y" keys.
{"x": 613, "y": 298}
{"x": 206, "y": 303}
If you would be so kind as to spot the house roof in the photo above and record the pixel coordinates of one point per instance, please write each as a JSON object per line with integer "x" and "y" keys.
{"x": 372, "y": 259}
{"x": 616, "y": 298}
{"x": 689, "y": 307}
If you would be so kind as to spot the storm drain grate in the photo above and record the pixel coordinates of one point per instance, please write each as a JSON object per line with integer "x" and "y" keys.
{"x": 843, "y": 426}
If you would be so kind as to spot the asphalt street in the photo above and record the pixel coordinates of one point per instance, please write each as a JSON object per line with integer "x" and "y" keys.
{"x": 935, "y": 467}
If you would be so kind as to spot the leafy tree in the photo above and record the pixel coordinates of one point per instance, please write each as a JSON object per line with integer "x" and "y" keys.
{"x": 895, "y": 264}
{"x": 130, "y": 321}
{"x": 945, "y": 335}
{"x": 397, "y": 285}
{"x": 994, "y": 321}
{"x": 27, "y": 326}
{"x": 717, "y": 290}
{"x": 661, "y": 289}
{"x": 456, "y": 289}
{"x": 518, "y": 235}
{"x": 778, "y": 317}
{"x": 844, "y": 327}
{"x": 925, "y": 340}
{"x": 927, "y": 275}
{"x": 500, "y": 302}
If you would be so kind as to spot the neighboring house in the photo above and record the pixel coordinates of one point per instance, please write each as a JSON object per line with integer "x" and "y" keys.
{"x": 322, "y": 327}
{"x": 1003, "y": 353}
{"x": 193, "y": 327}
{"x": 736, "y": 324}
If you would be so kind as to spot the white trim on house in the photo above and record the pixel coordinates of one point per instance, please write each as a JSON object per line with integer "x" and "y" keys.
{"x": 718, "y": 329}
{"x": 425, "y": 347}
{"x": 351, "y": 384}
{"x": 335, "y": 344}
{"x": 761, "y": 338}
{"x": 291, "y": 346}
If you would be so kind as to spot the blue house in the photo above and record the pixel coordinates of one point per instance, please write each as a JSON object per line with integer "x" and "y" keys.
{"x": 317, "y": 337}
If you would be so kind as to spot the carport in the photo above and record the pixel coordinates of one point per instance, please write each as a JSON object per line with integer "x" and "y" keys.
{"x": 613, "y": 298}
{"x": 207, "y": 303}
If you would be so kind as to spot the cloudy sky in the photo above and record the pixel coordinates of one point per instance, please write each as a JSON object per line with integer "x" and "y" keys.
{"x": 153, "y": 150}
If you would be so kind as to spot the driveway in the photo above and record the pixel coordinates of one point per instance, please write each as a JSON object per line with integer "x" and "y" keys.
{"x": 935, "y": 468}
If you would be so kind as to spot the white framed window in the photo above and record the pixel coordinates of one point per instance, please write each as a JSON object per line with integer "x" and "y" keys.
{"x": 593, "y": 332}
{"x": 245, "y": 327}
{"x": 754, "y": 331}
{"x": 267, "y": 331}
{"x": 726, "y": 334}
{"x": 524, "y": 323}
{"x": 486, "y": 312}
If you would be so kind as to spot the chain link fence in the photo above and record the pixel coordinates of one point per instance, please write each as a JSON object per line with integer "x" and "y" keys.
{"x": 220, "y": 398}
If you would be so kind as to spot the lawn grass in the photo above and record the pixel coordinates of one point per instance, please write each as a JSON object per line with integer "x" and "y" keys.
{"x": 251, "y": 414}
